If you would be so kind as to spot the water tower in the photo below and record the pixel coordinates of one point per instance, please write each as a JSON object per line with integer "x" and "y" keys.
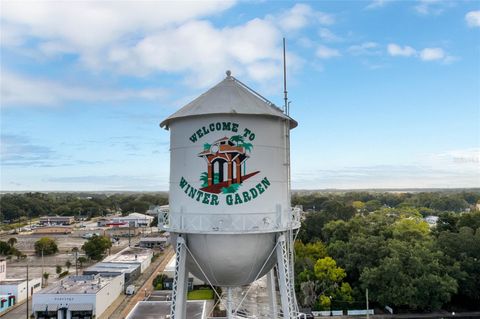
{"x": 230, "y": 212}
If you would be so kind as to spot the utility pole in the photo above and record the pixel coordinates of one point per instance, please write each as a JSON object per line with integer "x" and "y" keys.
{"x": 27, "y": 292}
{"x": 43, "y": 268}
{"x": 366, "y": 297}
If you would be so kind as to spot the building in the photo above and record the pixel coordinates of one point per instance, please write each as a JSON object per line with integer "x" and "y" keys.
{"x": 6, "y": 301}
{"x": 3, "y": 269}
{"x": 82, "y": 297}
{"x": 56, "y": 220}
{"x": 132, "y": 255}
{"x": 169, "y": 271}
{"x": 196, "y": 309}
{"x": 431, "y": 220}
{"x": 154, "y": 242}
{"x": 155, "y": 210}
{"x": 112, "y": 269}
{"x": 134, "y": 220}
{"x": 18, "y": 288}
{"x": 53, "y": 230}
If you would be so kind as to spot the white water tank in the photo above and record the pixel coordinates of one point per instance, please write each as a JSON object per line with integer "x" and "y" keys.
{"x": 229, "y": 182}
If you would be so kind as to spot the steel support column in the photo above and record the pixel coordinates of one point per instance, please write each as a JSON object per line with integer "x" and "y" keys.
{"x": 272, "y": 293}
{"x": 287, "y": 295}
{"x": 179, "y": 290}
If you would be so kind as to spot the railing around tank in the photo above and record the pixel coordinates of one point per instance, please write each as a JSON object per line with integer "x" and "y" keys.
{"x": 235, "y": 223}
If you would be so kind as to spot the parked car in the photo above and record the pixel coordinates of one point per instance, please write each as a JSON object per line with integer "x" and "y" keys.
{"x": 130, "y": 290}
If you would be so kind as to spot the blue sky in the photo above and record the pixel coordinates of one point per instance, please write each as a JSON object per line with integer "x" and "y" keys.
{"x": 386, "y": 93}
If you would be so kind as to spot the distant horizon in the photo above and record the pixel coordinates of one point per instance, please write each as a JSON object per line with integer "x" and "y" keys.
{"x": 412, "y": 189}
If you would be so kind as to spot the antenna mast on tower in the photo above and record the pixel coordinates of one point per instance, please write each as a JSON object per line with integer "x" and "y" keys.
{"x": 285, "y": 79}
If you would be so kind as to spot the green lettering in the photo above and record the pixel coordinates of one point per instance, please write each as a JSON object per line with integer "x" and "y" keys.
{"x": 183, "y": 182}
{"x": 260, "y": 188}
{"x": 227, "y": 126}
{"x": 192, "y": 192}
{"x": 199, "y": 133}
{"x": 205, "y": 131}
{"x": 246, "y": 132}
{"x": 199, "y": 195}
{"x": 214, "y": 200}
{"x": 206, "y": 198}
{"x": 234, "y": 127}
{"x": 246, "y": 197}
{"x": 218, "y": 126}
{"x": 186, "y": 189}
{"x": 238, "y": 199}
{"x": 212, "y": 127}
{"x": 193, "y": 138}
{"x": 254, "y": 193}
{"x": 265, "y": 182}
{"x": 229, "y": 199}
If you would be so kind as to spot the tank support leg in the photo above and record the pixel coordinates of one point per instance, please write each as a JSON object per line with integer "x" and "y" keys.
{"x": 179, "y": 289}
{"x": 272, "y": 293}
{"x": 229, "y": 303}
{"x": 287, "y": 295}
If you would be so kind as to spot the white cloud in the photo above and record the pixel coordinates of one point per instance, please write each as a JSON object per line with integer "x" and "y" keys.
{"x": 435, "y": 7}
{"x": 133, "y": 39}
{"x": 432, "y": 54}
{"x": 375, "y": 4}
{"x": 473, "y": 18}
{"x": 327, "y": 35}
{"x": 396, "y": 50}
{"x": 324, "y": 52}
{"x": 20, "y": 90}
{"x": 365, "y": 48}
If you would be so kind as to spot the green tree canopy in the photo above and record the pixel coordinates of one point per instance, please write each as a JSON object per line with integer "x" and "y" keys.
{"x": 46, "y": 245}
{"x": 96, "y": 247}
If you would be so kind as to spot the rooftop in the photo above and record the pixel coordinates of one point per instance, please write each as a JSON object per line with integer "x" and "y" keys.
{"x": 129, "y": 255}
{"x": 230, "y": 96}
{"x": 113, "y": 267}
{"x": 159, "y": 309}
{"x": 86, "y": 284}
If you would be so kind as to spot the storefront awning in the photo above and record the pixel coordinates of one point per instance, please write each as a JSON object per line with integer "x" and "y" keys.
{"x": 80, "y": 307}
{"x": 45, "y": 307}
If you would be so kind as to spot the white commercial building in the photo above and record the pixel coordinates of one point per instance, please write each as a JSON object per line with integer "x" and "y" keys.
{"x": 134, "y": 220}
{"x": 18, "y": 288}
{"x": 78, "y": 297}
{"x": 132, "y": 255}
{"x": 3, "y": 269}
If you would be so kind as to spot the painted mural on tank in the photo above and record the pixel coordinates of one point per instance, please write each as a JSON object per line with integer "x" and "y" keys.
{"x": 226, "y": 166}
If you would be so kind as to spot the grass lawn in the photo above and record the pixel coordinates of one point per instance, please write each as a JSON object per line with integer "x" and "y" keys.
{"x": 203, "y": 294}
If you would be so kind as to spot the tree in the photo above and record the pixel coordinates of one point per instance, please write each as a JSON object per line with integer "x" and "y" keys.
{"x": 81, "y": 261}
{"x": 45, "y": 277}
{"x": 46, "y": 245}
{"x": 58, "y": 269}
{"x": 96, "y": 247}
{"x": 12, "y": 241}
{"x": 410, "y": 277}
{"x": 68, "y": 264}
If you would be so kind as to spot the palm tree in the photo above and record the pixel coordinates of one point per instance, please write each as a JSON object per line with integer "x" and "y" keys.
{"x": 12, "y": 241}
{"x": 237, "y": 139}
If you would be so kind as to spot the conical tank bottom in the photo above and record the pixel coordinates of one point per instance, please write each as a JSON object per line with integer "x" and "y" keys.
{"x": 230, "y": 259}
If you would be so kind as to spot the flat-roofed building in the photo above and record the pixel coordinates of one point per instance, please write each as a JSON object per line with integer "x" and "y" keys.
{"x": 132, "y": 255}
{"x": 3, "y": 269}
{"x": 130, "y": 271}
{"x": 82, "y": 297}
{"x": 134, "y": 220}
{"x": 57, "y": 220}
{"x": 196, "y": 309}
{"x": 154, "y": 242}
{"x": 18, "y": 287}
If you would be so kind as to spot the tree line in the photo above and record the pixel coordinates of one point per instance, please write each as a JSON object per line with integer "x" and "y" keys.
{"x": 380, "y": 241}
{"x": 22, "y": 206}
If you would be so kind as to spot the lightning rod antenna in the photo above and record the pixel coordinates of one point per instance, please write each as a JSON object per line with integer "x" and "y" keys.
{"x": 285, "y": 79}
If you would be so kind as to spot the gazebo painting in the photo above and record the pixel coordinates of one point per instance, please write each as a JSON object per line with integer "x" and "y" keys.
{"x": 225, "y": 158}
